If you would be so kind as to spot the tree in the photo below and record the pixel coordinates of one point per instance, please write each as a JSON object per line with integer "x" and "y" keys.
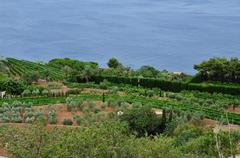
{"x": 88, "y": 72}
{"x": 67, "y": 70}
{"x": 46, "y": 74}
{"x": 143, "y": 120}
{"x": 219, "y": 69}
{"x": 113, "y": 63}
{"x": 147, "y": 71}
{"x": 13, "y": 87}
{"x": 31, "y": 77}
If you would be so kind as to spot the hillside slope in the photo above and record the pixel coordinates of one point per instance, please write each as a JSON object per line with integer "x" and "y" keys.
{"x": 18, "y": 68}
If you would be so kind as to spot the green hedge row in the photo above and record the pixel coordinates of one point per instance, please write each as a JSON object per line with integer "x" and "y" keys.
{"x": 173, "y": 86}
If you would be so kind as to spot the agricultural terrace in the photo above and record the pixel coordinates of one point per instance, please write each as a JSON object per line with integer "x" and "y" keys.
{"x": 51, "y": 113}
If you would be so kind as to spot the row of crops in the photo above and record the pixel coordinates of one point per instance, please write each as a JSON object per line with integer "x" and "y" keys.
{"x": 21, "y": 67}
{"x": 208, "y": 112}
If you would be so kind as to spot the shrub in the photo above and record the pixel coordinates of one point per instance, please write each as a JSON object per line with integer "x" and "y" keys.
{"x": 45, "y": 92}
{"x": 26, "y": 93}
{"x": 36, "y": 92}
{"x": 17, "y": 104}
{"x": 143, "y": 120}
{"x": 115, "y": 89}
{"x": 104, "y": 84}
{"x": 79, "y": 104}
{"x": 78, "y": 119}
{"x": 52, "y": 118}
{"x": 67, "y": 122}
{"x": 96, "y": 110}
{"x": 71, "y": 105}
{"x": 13, "y": 87}
{"x": 174, "y": 86}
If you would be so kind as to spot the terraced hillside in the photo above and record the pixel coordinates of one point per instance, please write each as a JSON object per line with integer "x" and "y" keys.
{"x": 21, "y": 67}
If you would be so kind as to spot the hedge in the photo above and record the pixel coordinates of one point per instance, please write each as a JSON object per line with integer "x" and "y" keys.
{"x": 173, "y": 86}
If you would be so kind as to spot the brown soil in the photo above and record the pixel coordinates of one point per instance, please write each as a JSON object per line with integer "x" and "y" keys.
{"x": 209, "y": 122}
{"x": 44, "y": 83}
{"x": 3, "y": 152}
{"x": 96, "y": 91}
{"x": 62, "y": 112}
{"x": 236, "y": 110}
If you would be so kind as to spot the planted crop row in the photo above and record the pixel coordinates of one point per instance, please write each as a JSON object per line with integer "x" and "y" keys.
{"x": 208, "y": 112}
{"x": 21, "y": 67}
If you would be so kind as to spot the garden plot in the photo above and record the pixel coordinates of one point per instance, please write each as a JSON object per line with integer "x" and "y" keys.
{"x": 74, "y": 112}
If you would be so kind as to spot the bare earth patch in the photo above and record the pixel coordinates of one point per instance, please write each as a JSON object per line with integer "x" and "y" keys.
{"x": 236, "y": 110}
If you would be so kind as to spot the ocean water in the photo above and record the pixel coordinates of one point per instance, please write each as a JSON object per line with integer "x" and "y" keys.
{"x": 167, "y": 34}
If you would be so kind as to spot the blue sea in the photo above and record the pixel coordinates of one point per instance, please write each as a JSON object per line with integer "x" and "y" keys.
{"x": 167, "y": 34}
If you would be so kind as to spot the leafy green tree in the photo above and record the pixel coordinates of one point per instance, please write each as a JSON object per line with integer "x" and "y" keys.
{"x": 143, "y": 120}
{"x": 114, "y": 63}
{"x": 88, "y": 72}
{"x": 31, "y": 77}
{"x": 13, "y": 87}
{"x": 147, "y": 71}
{"x": 219, "y": 69}
{"x": 67, "y": 71}
{"x": 46, "y": 74}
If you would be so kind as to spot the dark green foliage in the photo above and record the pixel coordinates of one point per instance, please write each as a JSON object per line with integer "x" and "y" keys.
{"x": 148, "y": 71}
{"x": 144, "y": 120}
{"x": 173, "y": 86}
{"x": 67, "y": 122}
{"x": 31, "y": 77}
{"x": 114, "y": 63}
{"x": 13, "y": 87}
{"x": 103, "y": 97}
{"x": 219, "y": 69}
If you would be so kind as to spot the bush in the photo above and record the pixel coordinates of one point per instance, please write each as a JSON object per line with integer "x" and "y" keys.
{"x": 26, "y": 93}
{"x": 67, "y": 122}
{"x": 174, "y": 86}
{"x": 143, "y": 120}
{"x": 13, "y": 87}
{"x": 52, "y": 118}
{"x": 45, "y": 92}
{"x": 104, "y": 84}
{"x": 36, "y": 92}
{"x": 96, "y": 110}
{"x": 78, "y": 119}
{"x": 17, "y": 104}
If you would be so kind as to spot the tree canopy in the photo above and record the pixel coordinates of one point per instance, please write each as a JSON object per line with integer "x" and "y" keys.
{"x": 219, "y": 69}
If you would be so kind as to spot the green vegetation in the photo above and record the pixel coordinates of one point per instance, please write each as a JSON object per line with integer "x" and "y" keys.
{"x": 23, "y": 68}
{"x": 219, "y": 69}
{"x": 118, "y": 111}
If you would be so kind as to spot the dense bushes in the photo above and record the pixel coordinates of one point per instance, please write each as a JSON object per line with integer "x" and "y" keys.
{"x": 144, "y": 120}
{"x": 173, "y": 86}
{"x": 112, "y": 139}
{"x": 13, "y": 87}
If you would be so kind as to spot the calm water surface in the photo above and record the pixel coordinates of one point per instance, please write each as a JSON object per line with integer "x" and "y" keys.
{"x": 167, "y": 34}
